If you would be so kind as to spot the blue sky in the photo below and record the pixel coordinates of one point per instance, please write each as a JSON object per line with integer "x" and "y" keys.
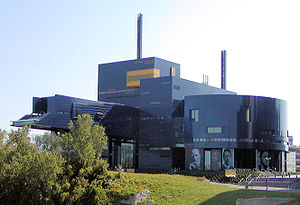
{"x": 54, "y": 47}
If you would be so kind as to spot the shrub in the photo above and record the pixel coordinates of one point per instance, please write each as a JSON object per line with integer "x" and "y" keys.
{"x": 67, "y": 172}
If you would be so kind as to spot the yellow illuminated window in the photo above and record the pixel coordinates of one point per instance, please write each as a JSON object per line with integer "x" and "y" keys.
{"x": 133, "y": 77}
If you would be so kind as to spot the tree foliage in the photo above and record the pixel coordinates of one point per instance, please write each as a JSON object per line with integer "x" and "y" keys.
{"x": 59, "y": 170}
{"x": 86, "y": 173}
{"x": 27, "y": 175}
{"x": 49, "y": 141}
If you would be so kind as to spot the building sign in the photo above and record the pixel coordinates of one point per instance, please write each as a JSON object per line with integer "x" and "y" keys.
{"x": 230, "y": 173}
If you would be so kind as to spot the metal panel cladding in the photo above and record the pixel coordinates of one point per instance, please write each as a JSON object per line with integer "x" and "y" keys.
{"x": 236, "y": 121}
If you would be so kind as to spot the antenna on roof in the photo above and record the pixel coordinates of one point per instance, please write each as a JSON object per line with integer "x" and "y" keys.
{"x": 205, "y": 79}
{"x": 139, "y": 35}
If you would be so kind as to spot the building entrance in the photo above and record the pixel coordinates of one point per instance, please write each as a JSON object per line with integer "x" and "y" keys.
{"x": 121, "y": 153}
{"x": 245, "y": 158}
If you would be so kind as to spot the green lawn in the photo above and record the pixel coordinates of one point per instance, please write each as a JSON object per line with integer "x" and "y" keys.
{"x": 186, "y": 190}
{"x": 231, "y": 196}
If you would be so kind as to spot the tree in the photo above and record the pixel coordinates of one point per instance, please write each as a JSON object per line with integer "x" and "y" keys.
{"x": 49, "y": 141}
{"x": 84, "y": 143}
{"x": 87, "y": 173}
{"x": 42, "y": 175}
{"x": 27, "y": 175}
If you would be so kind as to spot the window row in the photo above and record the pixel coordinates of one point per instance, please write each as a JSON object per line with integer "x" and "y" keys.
{"x": 133, "y": 77}
{"x": 194, "y": 115}
{"x": 155, "y": 118}
{"x": 222, "y": 139}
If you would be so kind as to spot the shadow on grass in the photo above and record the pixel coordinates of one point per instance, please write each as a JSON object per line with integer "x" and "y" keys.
{"x": 230, "y": 197}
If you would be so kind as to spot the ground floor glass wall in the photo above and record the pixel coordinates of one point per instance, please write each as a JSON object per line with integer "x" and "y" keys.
{"x": 121, "y": 153}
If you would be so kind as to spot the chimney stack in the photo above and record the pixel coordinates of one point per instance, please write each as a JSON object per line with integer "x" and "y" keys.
{"x": 139, "y": 35}
{"x": 223, "y": 69}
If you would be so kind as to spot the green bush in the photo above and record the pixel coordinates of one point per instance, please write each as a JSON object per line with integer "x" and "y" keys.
{"x": 67, "y": 170}
{"x": 130, "y": 170}
{"x": 219, "y": 175}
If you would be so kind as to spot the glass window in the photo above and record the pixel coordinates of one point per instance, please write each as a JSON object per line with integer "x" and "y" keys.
{"x": 133, "y": 77}
{"x": 172, "y": 71}
{"x": 194, "y": 115}
{"x": 126, "y": 157}
{"x": 248, "y": 115}
{"x": 214, "y": 129}
{"x": 207, "y": 163}
{"x": 176, "y": 87}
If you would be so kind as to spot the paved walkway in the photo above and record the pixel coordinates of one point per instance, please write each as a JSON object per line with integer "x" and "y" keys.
{"x": 258, "y": 188}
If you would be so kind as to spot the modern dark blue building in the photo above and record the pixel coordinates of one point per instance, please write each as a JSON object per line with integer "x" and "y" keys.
{"x": 157, "y": 120}
{"x": 247, "y": 127}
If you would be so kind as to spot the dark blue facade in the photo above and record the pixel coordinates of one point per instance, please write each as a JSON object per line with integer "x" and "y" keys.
{"x": 161, "y": 132}
{"x": 265, "y": 128}
{"x": 55, "y": 112}
{"x": 112, "y": 86}
{"x": 157, "y": 120}
{"x": 121, "y": 123}
{"x": 242, "y": 124}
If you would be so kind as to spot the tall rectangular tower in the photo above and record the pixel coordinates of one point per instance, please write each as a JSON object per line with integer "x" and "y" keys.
{"x": 120, "y": 82}
{"x": 223, "y": 69}
{"x": 139, "y": 35}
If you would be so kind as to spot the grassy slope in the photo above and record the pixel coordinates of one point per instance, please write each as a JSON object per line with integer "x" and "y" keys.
{"x": 186, "y": 190}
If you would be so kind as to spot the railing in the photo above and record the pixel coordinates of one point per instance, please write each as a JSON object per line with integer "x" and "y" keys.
{"x": 242, "y": 179}
{"x": 247, "y": 178}
{"x": 251, "y": 175}
{"x": 254, "y": 179}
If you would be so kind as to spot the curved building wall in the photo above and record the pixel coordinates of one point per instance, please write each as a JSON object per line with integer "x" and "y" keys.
{"x": 235, "y": 121}
{"x": 234, "y": 131}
